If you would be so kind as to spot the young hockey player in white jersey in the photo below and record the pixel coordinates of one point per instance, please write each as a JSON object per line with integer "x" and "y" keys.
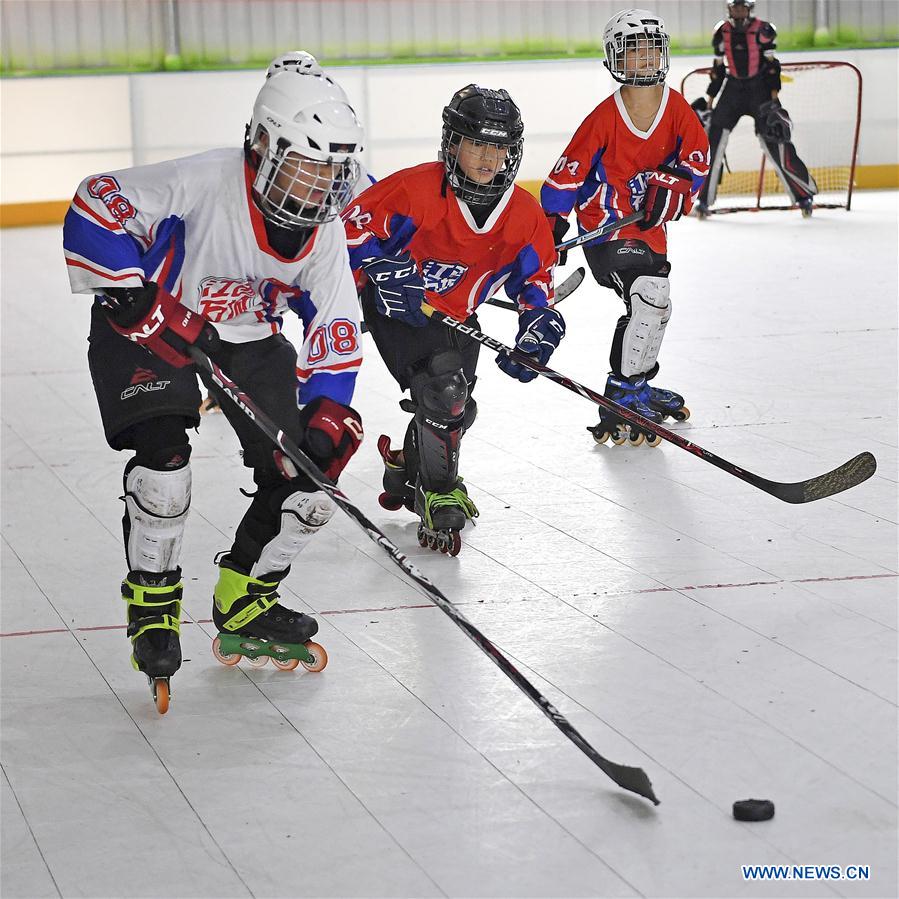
{"x": 301, "y": 63}
{"x": 235, "y": 238}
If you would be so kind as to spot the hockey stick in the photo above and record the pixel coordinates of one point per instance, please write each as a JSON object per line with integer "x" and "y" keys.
{"x": 608, "y": 228}
{"x": 849, "y": 474}
{"x": 565, "y": 290}
{"x": 633, "y": 779}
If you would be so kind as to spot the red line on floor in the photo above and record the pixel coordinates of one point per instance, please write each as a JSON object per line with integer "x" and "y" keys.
{"x": 806, "y": 580}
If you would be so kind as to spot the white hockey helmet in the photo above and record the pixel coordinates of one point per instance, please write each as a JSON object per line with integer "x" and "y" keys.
{"x": 305, "y": 137}
{"x": 639, "y": 31}
{"x": 301, "y": 63}
{"x": 298, "y": 61}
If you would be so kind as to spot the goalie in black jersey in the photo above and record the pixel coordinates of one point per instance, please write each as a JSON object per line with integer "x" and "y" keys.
{"x": 746, "y": 68}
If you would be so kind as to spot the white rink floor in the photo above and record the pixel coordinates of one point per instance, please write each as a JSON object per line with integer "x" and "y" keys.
{"x": 732, "y": 645}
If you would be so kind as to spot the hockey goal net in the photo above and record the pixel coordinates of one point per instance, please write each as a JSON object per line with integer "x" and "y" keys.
{"x": 824, "y": 100}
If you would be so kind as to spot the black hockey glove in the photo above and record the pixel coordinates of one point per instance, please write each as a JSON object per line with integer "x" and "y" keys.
{"x": 560, "y": 229}
{"x": 667, "y": 193}
{"x": 150, "y": 316}
{"x": 399, "y": 286}
{"x": 701, "y": 107}
{"x": 540, "y": 331}
{"x": 773, "y": 122}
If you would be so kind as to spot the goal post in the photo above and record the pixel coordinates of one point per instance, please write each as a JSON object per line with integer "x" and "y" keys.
{"x": 824, "y": 100}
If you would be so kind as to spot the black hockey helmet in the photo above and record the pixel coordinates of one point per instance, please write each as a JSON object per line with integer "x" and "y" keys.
{"x": 486, "y": 117}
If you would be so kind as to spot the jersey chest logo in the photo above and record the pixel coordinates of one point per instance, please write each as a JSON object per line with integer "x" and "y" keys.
{"x": 442, "y": 277}
{"x": 224, "y": 298}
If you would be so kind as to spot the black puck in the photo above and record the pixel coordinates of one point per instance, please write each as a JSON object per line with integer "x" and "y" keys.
{"x": 753, "y": 809}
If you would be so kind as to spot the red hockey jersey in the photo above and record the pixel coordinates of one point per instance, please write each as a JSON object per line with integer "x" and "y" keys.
{"x": 461, "y": 264}
{"x": 602, "y": 173}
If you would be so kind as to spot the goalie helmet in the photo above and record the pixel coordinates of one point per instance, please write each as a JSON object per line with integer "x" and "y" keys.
{"x": 487, "y": 118}
{"x": 303, "y": 140}
{"x": 740, "y": 22}
{"x": 632, "y": 37}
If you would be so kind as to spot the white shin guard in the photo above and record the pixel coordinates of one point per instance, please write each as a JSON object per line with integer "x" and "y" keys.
{"x": 302, "y": 516}
{"x": 650, "y": 310}
{"x": 156, "y": 503}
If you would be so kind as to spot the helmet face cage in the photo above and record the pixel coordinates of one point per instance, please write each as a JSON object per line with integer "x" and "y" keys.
{"x": 634, "y": 36}
{"x": 466, "y": 188}
{"x": 294, "y": 191}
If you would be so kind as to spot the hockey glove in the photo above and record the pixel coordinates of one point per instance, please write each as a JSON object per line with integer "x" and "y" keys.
{"x": 667, "y": 193}
{"x": 773, "y": 122}
{"x": 399, "y": 286}
{"x": 332, "y": 433}
{"x": 701, "y": 107}
{"x": 151, "y": 316}
{"x": 539, "y": 332}
{"x": 560, "y": 229}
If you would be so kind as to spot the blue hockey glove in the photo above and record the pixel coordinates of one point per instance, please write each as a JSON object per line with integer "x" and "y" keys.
{"x": 539, "y": 332}
{"x": 400, "y": 289}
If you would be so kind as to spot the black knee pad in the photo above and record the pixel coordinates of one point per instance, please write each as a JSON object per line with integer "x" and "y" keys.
{"x": 441, "y": 389}
{"x": 470, "y": 414}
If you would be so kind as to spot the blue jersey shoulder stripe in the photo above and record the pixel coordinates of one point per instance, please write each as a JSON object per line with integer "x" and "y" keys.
{"x": 115, "y": 252}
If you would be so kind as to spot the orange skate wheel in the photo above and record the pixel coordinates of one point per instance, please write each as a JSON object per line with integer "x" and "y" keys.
{"x": 224, "y": 658}
{"x": 319, "y": 657}
{"x": 286, "y": 665}
{"x": 258, "y": 662}
{"x": 161, "y": 695}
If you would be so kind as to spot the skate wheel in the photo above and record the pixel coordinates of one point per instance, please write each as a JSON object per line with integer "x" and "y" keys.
{"x": 161, "y": 694}
{"x": 422, "y": 537}
{"x": 286, "y": 665}
{"x": 455, "y": 544}
{"x": 258, "y": 662}
{"x": 319, "y": 657}
{"x": 225, "y": 658}
{"x": 682, "y": 414}
{"x": 599, "y": 436}
{"x": 619, "y": 437}
{"x": 636, "y": 439}
{"x": 390, "y": 502}
{"x": 653, "y": 440}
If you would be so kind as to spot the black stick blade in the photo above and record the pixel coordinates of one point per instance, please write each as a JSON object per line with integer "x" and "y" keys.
{"x": 850, "y": 474}
{"x": 570, "y": 284}
{"x": 634, "y": 779}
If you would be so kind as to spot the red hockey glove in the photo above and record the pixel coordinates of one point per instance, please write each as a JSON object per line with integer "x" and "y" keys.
{"x": 152, "y": 317}
{"x": 667, "y": 194}
{"x": 332, "y": 432}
